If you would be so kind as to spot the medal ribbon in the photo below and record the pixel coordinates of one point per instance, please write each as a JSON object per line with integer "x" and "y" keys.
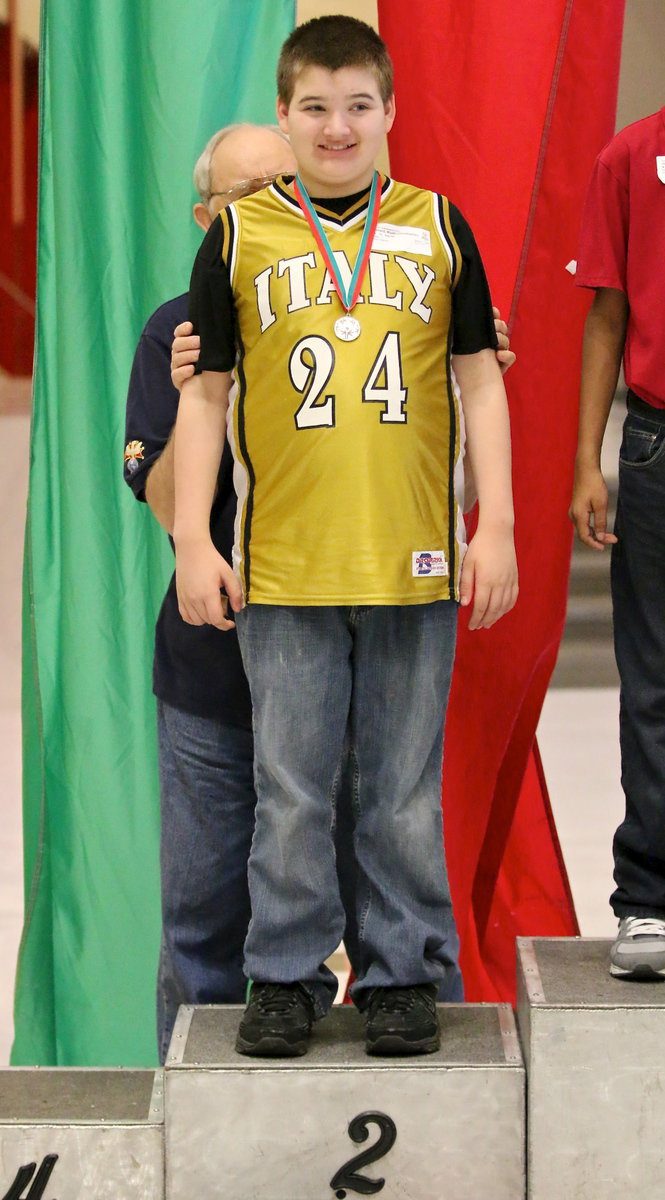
{"x": 349, "y": 297}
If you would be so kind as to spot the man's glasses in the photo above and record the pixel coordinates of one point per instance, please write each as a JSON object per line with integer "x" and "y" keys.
{"x": 246, "y": 187}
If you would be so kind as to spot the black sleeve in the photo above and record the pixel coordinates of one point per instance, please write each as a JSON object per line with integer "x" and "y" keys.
{"x": 473, "y": 321}
{"x": 211, "y": 307}
{"x": 152, "y": 404}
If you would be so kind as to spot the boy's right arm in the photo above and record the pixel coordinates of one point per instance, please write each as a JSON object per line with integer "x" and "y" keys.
{"x": 201, "y": 572}
{"x": 602, "y": 350}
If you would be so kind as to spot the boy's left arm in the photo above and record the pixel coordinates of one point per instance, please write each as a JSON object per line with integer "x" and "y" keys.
{"x": 489, "y": 573}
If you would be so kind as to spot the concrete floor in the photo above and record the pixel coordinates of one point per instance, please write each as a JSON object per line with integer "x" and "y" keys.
{"x": 14, "y": 430}
{"x": 582, "y": 770}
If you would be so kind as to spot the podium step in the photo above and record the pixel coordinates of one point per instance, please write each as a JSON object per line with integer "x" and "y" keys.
{"x": 593, "y": 1049}
{"x": 81, "y": 1134}
{"x": 447, "y": 1125}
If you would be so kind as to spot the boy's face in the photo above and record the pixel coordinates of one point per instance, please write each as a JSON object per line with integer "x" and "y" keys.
{"x": 336, "y": 122}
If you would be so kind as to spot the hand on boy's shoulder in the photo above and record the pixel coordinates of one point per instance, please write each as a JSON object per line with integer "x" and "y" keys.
{"x": 184, "y": 353}
{"x": 505, "y": 356}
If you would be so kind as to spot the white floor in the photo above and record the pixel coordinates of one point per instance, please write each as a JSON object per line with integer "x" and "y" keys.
{"x": 14, "y": 432}
{"x": 578, "y": 740}
{"x": 577, "y": 736}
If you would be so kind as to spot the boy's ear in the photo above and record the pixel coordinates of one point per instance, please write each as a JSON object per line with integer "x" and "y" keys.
{"x": 390, "y": 108}
{"x": 282, "y": 110}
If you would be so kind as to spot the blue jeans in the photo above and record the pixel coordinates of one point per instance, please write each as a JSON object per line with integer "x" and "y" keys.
{"x": 207, "y": 812}
{"x": 638, "y": 598}
{"x": 372, "y": 682}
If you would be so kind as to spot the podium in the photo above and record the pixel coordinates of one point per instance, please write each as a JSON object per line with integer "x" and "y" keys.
{"x": 81, "y": 1134}
{"x": 596, "y": 1090}
{"x": 337, "y": 1123}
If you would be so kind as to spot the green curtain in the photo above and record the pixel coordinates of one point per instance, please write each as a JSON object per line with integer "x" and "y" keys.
{"x": 130, "y": 93}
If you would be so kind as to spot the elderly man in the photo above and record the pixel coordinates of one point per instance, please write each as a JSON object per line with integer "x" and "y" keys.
{"x": 203, "y": 705}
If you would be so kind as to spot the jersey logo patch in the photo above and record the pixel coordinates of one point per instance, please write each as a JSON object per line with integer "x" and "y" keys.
{"x": 407, "y": 238}
{"x": 133, "y": 452}
{"x": 428, "y": 562}
{"x": 660, "y": 167}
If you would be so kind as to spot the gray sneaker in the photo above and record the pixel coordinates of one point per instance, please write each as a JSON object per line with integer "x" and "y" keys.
{"x": 639, "y": 951}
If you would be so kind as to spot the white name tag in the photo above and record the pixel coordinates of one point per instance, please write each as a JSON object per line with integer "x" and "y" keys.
{"x": 428, "y": 562}
{"x": 660, "y": 167}
{"x": 402, "y": 237}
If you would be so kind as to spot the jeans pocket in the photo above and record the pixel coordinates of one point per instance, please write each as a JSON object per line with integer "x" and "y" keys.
{"x": 642, "y": 442}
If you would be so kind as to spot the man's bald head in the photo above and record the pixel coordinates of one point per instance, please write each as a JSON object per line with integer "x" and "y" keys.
{"x": 233, "y": 156}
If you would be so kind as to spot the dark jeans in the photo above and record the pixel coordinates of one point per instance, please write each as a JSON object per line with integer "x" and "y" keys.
{"x": 207, "y": 810}
{"x": 638, "y": 597}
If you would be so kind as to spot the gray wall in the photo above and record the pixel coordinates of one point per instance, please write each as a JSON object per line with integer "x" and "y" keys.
{"x": 642, "y": 80}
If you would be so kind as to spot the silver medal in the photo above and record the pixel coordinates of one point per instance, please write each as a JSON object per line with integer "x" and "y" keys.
{"x": 347, "y": 329}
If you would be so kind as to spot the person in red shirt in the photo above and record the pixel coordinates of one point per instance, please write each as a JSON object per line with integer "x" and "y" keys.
{"x": 622, "y": 253}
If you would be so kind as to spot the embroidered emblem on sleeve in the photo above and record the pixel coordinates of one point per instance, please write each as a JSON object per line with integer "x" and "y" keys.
{"x": 133, "y": 452}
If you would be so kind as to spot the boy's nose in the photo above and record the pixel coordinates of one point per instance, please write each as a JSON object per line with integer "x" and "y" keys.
{"x": 337, "y": 124}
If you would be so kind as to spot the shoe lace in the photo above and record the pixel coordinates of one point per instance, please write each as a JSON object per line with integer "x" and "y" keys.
{"x": 393, "y": 1000}
{"x": 277, "y": 998}
{"x": 644, "y": 927}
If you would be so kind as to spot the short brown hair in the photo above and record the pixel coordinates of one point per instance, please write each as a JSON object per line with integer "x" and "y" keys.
{"x": 333, "y": 42}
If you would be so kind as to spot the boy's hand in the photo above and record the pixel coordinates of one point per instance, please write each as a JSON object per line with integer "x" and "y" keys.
{"x": 201, "y": 573}
{"x": 588, "y": 508}
{"x": 184, "y": 353}
{"x": 504, "y": 354}
{"x": 489, "y": 577}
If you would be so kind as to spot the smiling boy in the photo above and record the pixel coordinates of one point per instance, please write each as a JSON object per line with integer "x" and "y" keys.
{"x": 341, "y": 301}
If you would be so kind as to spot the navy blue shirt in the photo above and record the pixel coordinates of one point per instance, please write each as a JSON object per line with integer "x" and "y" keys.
{"x": 196, "y": 668}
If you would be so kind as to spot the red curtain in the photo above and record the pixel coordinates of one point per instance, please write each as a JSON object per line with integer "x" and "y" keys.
{"x": 504, "y": 107}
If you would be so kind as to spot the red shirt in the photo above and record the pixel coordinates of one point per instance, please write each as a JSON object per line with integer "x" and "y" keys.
{"x": 622, "y": 245}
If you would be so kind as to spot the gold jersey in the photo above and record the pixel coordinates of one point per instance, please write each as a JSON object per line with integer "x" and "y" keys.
{"x": 347, "y": 453}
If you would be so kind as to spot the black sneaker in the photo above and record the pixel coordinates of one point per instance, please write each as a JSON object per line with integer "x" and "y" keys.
{"x": 403, "y": 1020}
{"x": 277, "y": 1021}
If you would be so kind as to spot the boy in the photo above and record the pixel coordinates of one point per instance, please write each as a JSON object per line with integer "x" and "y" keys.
{"x": 342, "y": 295}
{"x": 623, "y": 224}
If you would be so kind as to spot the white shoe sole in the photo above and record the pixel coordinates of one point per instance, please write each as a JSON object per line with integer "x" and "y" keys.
{"x": 641, "y": 972}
